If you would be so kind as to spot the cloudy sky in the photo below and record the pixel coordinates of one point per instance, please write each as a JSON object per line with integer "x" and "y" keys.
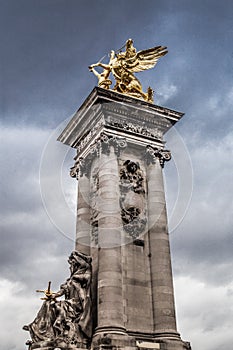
{"x": 46, "y": 47}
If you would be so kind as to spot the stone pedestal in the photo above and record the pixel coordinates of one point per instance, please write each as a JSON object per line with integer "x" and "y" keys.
{"x": 122, "y": 220}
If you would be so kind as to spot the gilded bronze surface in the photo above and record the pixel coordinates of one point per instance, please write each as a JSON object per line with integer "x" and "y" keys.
{"x": 123, "y": 65}
{"x": 47, "y": 292}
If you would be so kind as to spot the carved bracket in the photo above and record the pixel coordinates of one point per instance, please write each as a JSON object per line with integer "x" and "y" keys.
{"x": 152, "y": 154}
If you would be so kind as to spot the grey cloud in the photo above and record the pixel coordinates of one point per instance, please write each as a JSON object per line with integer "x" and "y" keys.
{"x": 46, "y": 48}
{"x": 203, "y": 242}
{"x": 202, "y": 311}
{"x": 27, "y": 235}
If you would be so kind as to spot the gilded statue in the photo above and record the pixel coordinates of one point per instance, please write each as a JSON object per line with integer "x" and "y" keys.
{"x": 123, "y": 65}
{"x": 65, "y": 323}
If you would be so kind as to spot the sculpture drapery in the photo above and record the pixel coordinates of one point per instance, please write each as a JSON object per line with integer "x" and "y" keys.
{"x": 67, "y": 322}
{"x": 123, "y": 66}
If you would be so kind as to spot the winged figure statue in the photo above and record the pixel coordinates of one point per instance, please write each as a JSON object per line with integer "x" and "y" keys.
{"x": 123, "y": 65}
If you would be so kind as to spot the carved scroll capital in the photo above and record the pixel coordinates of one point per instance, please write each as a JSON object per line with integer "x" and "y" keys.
{"x": 102, "y": 145}
{"x": 153, "y": 154}
{"x": 107, "y": 141}
{"x": 81, "y": 167}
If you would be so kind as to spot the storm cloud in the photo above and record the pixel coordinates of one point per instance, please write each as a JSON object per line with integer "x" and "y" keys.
{"x": 46, "y": 48}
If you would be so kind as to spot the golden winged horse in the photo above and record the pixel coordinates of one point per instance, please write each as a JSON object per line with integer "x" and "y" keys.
{"x": 123, "y": 66}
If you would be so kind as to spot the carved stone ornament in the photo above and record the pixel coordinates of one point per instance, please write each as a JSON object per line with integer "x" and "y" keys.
{"x": 65, "y": 324}
{"x": 103, "y": 144}
{"x": 134, "y": 225}
{"x": 152, "y": 154}
{"x": 131, "y": 177}
{"x": 93, "y": 208}
{"x": 90, "y": 135}
{"x": 137, "y": 128}
{"x": 132, "y": 200}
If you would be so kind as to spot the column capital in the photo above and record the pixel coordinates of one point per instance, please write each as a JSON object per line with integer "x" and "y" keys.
{"x": 153, "y": 154}
{"x": 106, "y": 141}
{"x": 102, "y": 145}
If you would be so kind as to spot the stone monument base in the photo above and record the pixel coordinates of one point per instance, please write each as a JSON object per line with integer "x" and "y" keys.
{"x": 58, "y": 348}
{"x": 171, "y": 344}
{"x": 111, "y": 341}
{"x": 55, "y": 345}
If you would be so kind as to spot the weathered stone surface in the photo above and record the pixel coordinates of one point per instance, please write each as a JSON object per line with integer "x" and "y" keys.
{"x": 120, "y": 156}
{"x": 126, "y": 115}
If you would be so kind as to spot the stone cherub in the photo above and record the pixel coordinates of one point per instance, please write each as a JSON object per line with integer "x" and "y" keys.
{"x": 66, "y": 323}
{"x": 123, "y": 66}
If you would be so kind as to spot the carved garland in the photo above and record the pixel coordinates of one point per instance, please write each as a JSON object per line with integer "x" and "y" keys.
{"x": 133, "y": 215}
{"x": 136, "y": 128}
{"x": 93, "y": 209}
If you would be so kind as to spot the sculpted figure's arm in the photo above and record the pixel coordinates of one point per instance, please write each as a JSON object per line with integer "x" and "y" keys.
{"x": 93, "y": 70}
{"x": 104, "y": 65}
{"x": 103, "y": 77}
{"x": 84, "y": 279}
{"x": 99, "y": 64}
{"x": 61, "y": 292}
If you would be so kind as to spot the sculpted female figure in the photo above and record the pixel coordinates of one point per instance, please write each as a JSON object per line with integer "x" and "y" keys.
{"x": 66, "y": 321}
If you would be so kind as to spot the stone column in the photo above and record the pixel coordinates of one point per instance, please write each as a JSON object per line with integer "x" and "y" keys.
{"x": 110, "y": 300}
{"x": 83, "y": 216}
{"x": 160, "y": 259}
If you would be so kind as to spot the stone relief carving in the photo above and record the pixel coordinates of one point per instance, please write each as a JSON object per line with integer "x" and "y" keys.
{"x": 134, "y": 225}
{"x": 152, "y": 154}
{"x": 66, "y": 324}
{"x": 93, "y": 207}
{"x": 132, "y": 199}
{"x": 103, "y": 144}
{"x": 131, "y": 177}
{"x": 90, "y": 135}
{"x": 95, "y": 231}
{"x": 137, "y": 128}
{"x": 141, "y": 116}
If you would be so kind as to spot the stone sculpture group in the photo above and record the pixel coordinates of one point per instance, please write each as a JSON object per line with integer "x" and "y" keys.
{"x": 67, "y": 323}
